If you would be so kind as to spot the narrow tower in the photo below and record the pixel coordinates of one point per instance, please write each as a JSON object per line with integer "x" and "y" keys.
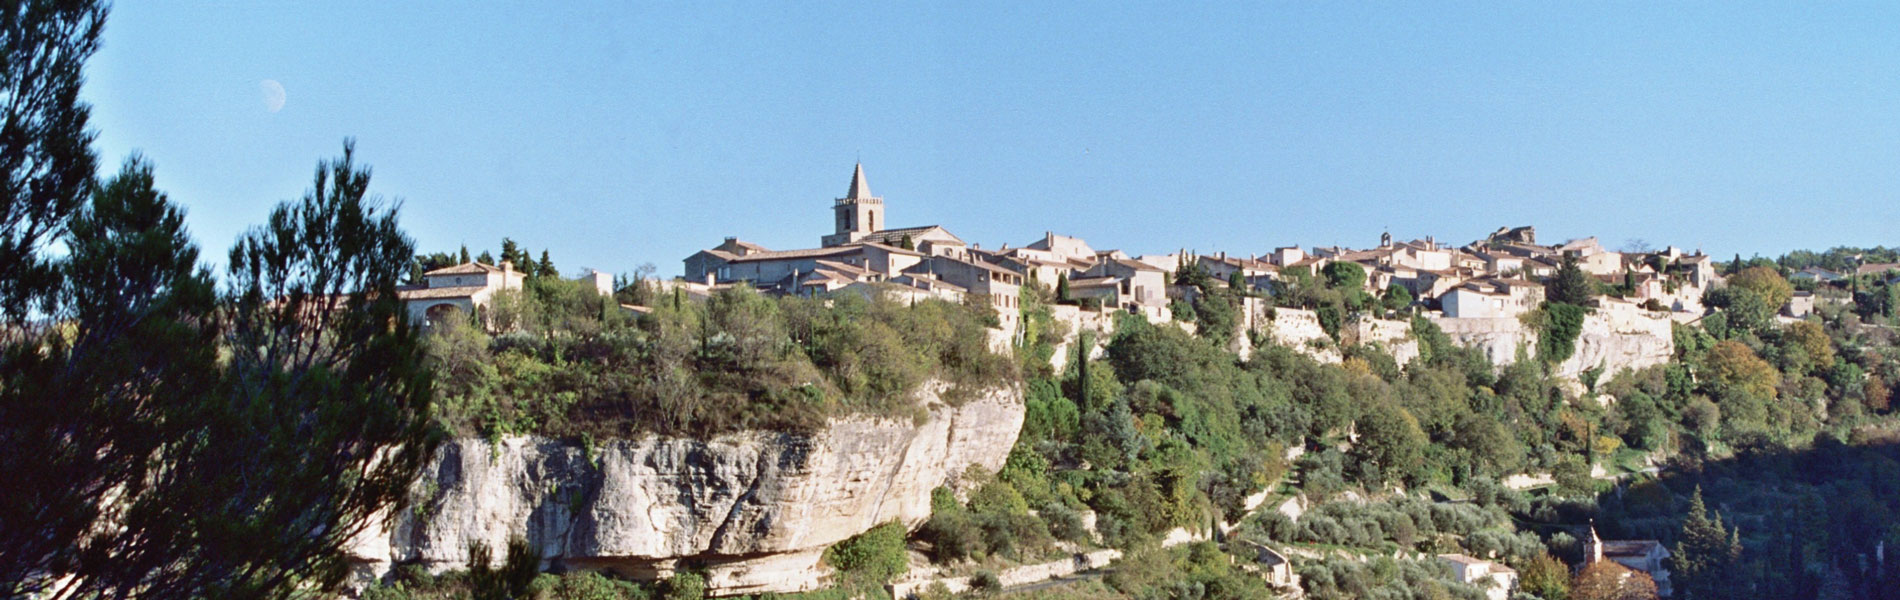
{"x": 858, "y": 212}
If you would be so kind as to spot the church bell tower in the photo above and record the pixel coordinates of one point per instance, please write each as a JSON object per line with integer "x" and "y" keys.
{"x": 858, "y": 212}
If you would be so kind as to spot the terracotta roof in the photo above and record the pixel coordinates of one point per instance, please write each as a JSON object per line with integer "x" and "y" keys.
{"x": 843, "y": 267}
{"x": 438, "y": 293}
{"x": 1094, "y": 282}
{"x": 886, "y": 248}
{"x": 816, "y": 252}
{"x": 1876, "y": 268}
{"x": 892, "y": 237}
{"x": 1631, "y": 547}
{"x": 1135, "y": 264}
{"x": 789, "y": 254}
{"x": 467, "y": 268}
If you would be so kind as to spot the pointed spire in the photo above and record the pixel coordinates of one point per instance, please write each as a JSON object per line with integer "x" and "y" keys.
{"x": 860, "y": 189}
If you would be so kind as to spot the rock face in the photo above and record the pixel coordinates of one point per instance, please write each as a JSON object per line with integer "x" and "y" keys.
{"x": 1300, "y": 330}
{"x": 1615, "y": 336}
{"x": 754, "y": 510}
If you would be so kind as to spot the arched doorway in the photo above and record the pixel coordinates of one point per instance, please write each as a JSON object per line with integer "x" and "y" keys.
{"x": 436, "y": 314}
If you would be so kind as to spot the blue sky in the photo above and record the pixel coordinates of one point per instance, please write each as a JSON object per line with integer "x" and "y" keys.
{"x": 613, "y": 134}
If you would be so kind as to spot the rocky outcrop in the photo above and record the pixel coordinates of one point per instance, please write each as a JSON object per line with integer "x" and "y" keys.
{"x": 754, "y": 511}
{"x": 1615, "y": 336}
{"x": 1300, "y": 330}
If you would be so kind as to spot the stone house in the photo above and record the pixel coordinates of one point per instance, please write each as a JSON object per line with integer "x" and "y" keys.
{"x": 1002, "y": 287}
{"x": 1137, "y": 283}
{"x": 779, "y": 270}
{"x": 470, "y": 288}
{"x": 1288, "y": 255}
{"x": 1800, "y": 305}
{"x": 1062, "y": 247}
{"x": 1492, "y": 298}
{"x": 1256, "y": 273}
{"x": 467, "y": 288}
{"x": 1498, "y": 581}
{"x": 1815, "y": 274}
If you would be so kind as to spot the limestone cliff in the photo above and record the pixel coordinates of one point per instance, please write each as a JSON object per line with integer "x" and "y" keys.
{"x": 753, "y": 510}
{"x": 1615, "y": 336}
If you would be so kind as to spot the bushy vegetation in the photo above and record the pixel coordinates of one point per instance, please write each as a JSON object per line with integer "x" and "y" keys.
{"x": 568, "y": 363}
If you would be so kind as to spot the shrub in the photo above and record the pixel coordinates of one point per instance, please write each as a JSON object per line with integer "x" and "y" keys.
{"x": 685, "y": 585}
{"x": 986, "y": 582}
{"x": 877, "y": 555}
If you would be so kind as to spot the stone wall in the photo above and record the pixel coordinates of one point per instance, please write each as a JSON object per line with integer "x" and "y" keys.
{"x": 754, "y": 510}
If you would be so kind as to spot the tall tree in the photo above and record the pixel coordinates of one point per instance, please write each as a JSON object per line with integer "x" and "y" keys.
{"x": 57, "y": 460}
{"x": 546, "y": 267}
{"x": 322, "y": 418}
{"x": 46, "y": 158}
{"x": 1705, "y": 552}
{"x": 83, "y": 420}
{"x": 1570, "y": 285}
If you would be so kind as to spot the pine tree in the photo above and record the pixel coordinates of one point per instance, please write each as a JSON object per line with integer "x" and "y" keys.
{"x": 1237, "y": 281}
{"x": 464, "y": 255}
{"x": 1570, "y": 285}
{"x": 57, "y": 461}
{"x": 511, "y": 252}
{"x": 486, "y": 258}
{"x": 1705, "y": 553}
{"x": 546, "y": 268}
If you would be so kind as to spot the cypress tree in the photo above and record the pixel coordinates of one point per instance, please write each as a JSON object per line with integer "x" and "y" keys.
{"x": 546, "y": 268}
{"x": 1706, "y": 552}
{"x": 1062, "y": 287}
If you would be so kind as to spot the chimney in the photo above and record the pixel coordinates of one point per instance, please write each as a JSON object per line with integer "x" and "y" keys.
{"x": 1223, "y": 255}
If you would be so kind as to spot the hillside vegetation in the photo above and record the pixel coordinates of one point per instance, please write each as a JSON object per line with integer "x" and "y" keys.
{"x": 569, "y": 363}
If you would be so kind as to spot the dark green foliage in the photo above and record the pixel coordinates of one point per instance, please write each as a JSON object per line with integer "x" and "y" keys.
{"x": 1396, "y": 298}
{"x": 877, "y": 555}
{"x": 738, "y": 361}
{"x": 246, "y": 474}
{"x": 1557, "y": 334}
{"x": 60, "y": 456}
{"x": 506, "y": 581}
{"x": 321, "y": 365}
{"x": 84, "y": 414}
{"x": 45, "y": 146}
{"x": 1344, "y": 275}
{"x": 684, "y": 585}
{"x": 1570, "y": 285}
{"x": 1706, "y": 553}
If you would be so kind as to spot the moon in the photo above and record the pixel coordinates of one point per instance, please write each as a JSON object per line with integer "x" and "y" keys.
{"x": 273, "y": 95}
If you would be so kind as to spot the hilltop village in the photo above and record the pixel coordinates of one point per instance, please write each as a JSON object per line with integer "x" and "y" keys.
{"x": 1478, "y": 292}
{"x": 1497, "y": 277}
